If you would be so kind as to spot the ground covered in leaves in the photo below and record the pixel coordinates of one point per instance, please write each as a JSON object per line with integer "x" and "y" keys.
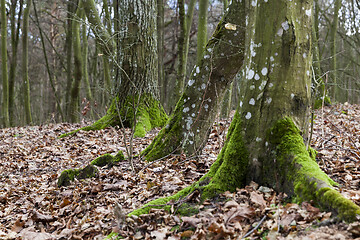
{"x": 33, "y": 207}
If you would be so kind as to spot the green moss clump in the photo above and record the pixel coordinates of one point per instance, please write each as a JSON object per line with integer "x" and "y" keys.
{"x": 312, "y": 153}
{"x": 169, "y": 138}
{"x": 149, "y": 114}
{"x": 187, "y": 209}
{"x": 87, "y": 172}
{"x": 119, "y": 157}
{"x": 102, "y": 160}
{"x": 319, "y": 102}
{"x": 67, "y": 176}
{"x": 230, "y": 169}
{"x": 308, "y": 181}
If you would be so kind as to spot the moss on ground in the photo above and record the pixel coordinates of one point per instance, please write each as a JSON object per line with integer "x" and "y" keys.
{"x": 108, "y": 159}
{"x": 149, "y": 114}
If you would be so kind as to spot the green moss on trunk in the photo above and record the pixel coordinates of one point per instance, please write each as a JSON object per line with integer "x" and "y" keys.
{"x": 149, "y": 115}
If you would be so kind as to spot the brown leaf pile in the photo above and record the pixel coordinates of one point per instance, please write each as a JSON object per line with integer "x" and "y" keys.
{"x": 33, "y": 207}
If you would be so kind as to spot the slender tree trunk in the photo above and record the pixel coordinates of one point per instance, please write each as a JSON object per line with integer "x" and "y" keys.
{"x": 78, "y": 66}
{"x": 71, "y": 8}
{"x": 195, "y": 112}
{"x": 107, "y": 72}
{"x": 26, "y": 82}
{"x": 181, "y": 71}
{"x": 5, "y": 83}
{"x": 15, "y": 35}
{"x": 202, "y": 29}
{"x": 333, "y": 33}
{"x": 160, "y": 49}
{"x": 57, "y": 99}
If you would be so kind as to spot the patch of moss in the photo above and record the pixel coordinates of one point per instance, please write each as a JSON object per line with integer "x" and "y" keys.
{"x": 169, "y": 138}
{"x": 87, "y": 172}
{"x": 187, "y": 209}
{"x": 149, "y": 114}
{"x": 308, "y": 180}
{"x": 230, "y": 169}
{"x": 319, "y": 102}
{"x": 67, "y": 176}
{"x": 102, "y": 160}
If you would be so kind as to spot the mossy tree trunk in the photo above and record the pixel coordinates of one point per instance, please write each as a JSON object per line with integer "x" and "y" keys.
{"x": 188, "y": 127}
{"x": 265, "y": 141}
{"x": 25, "y": 60}
{"x": 137, "y": 92}
{"x": 5, "y": 83}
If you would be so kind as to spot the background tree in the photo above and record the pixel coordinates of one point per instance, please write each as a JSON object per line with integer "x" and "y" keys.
{"x": 4, "y": 73}
{"x": 26, "y": 82}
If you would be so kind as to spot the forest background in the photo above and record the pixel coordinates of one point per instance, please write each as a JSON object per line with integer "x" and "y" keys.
{"x": 45, "y": 88}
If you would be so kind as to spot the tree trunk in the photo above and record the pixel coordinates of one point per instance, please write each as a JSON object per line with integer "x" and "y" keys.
{"x": 5, "y": 83}
{"x": 15, "y": 35}
{"x": 74, "y": 108}
{"x": 137, "y": 94}
{"x": 26, "y": 83}
{"x": 333, "y": 33}
{"x": 188, "y": 128}
{"x": 265, "y": 141}
{"x": 160, "y": 49}
{"x": 71, "y": 8}
{"x": 202, "y": 29}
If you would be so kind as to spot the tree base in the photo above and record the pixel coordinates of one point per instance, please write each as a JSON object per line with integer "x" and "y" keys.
{"x": 148, "y": 115}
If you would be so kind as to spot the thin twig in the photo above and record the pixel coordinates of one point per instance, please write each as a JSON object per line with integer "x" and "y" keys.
{"x": 256, "y": 227}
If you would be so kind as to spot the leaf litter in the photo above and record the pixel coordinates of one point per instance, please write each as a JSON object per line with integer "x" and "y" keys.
{"x": 33, "y": 207}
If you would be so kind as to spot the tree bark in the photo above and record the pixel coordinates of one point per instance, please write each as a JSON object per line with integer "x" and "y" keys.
{"x": 26, "y": 82}
{"x": 333, "y": 33}
{"x": 202, "y": 29}
{"x": 15, "y": 36}
{"x": 137, "y": 93}
{"x": 265, "y": 141}
{"x": 74, "y": 108}
{"x": 4, "y": 67}
{"x": 188, "y": 127}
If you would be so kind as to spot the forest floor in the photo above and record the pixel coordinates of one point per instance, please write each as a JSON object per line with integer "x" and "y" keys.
{"x": 33, "y": 207}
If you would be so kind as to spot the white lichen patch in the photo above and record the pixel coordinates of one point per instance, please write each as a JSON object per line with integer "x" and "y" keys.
{"x": 197, "y": 70}
{"x": 304, "y": 55}
{"x": 248, "y": 115}
{"x": 206, "y": 107}
{"x": 257, "y": 77}
{"x": 185, "y": 110}
{"x": 285, "y": 25}
{"x": 252, "y": 87}
{"x": 272, "y": 59}
{"x": 292, "y": 95}
{"x": 258, "y": 139}
{"x": 191, "y": 82}
{"x": 262, "y": 85}
{"x": 268, "y": 100}
{"x": 254, "y": 3}
{"x": 203, "y": 86}
{"x": 188, "y": 122}
{"x": 252, "y": 101}
{"x": 241, "y": 103}
{"x": 308, "y": 12}
{"x": 193, "y": 105}
{"x": 271, "y": 85}
{"x": 250, "y": 74}
{"x": 264, "y": 71}
{"x": 206, "y": 56}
